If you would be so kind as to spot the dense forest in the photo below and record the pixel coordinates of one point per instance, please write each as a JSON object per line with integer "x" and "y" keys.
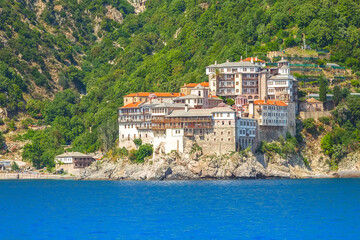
{"x": 67, "y": 63}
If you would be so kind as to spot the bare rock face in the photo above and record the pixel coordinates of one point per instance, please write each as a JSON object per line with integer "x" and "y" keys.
{"x": 139, "y": 5}
{"x": 114, "y": 14}
{"x": 195, "y": 165}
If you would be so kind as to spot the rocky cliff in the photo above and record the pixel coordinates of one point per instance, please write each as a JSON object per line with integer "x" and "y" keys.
{"x": 195, "y": 165}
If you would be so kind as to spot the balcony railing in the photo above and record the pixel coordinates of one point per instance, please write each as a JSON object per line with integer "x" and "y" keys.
{"x": 250, "y": 86}
{"x": 143, "y": 127}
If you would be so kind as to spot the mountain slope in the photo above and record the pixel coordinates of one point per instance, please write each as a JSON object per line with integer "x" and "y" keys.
{"x": 94, "y": 52}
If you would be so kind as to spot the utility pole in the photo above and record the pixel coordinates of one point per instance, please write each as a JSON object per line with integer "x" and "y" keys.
{"x": 304, "y": 41}
{"x": 246, "y": 50}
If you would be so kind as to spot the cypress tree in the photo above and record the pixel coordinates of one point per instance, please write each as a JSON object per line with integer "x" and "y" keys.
{"x": 337, "y": 95}
{"x": 322, "y": 88}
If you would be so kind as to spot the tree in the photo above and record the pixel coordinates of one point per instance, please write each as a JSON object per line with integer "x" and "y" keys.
{"x": 337, "y": 95}
{"x": 309, "y": 126}
{"x": 14, "y": 166}
{"x": 137, "y": 142}
{"x": 2, "y": 141}
{"x": 326, "y": 144}
{"x": 322, "y": 88}
{"x": 144, "y": 151}
{"x": 108, "y": 133}
{"x": 230, "y": 101}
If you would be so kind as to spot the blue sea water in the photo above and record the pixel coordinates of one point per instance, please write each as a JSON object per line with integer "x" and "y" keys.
{"x": 243, "y": 209}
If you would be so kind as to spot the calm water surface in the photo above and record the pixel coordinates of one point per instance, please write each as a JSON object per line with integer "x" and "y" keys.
{"x": 244, "y": 209}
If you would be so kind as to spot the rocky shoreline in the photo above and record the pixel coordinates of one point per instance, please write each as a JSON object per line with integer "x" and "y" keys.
{"x": 237, "y": 165}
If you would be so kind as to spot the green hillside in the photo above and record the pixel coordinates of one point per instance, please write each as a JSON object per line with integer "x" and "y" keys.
{"x": 67, "y": 64}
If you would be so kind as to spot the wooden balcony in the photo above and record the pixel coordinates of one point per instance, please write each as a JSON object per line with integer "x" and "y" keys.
{"x": 142, "y": 127}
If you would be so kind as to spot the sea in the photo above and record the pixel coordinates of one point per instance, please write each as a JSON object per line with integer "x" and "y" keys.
{"x": 236, "y": 209}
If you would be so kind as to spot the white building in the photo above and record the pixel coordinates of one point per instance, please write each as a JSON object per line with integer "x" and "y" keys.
{"x": 282, "y": 86}
{"x": 230, "y": 79}
{"x": 270, "y": 113}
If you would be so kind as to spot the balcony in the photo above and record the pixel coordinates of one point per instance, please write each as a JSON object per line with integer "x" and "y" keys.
{"x": 132, "y": 120}
{"x": 225, "y": 94}
{"x": 143, "y": 127}
{"x": 250, "y": 86}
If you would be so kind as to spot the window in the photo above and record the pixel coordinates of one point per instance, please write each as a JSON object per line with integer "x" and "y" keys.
{"x": 229, "y": 122}
{"x": 244, "y": 69}
{"x": 223, "y": 122}
{"x": 229, "y": 132}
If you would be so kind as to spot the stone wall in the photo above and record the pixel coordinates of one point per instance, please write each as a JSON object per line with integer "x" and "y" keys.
{"x": 315, "y": 115}
{"x": 270, "y": 133}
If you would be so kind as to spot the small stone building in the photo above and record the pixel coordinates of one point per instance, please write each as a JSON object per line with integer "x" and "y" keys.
{"x": 71, "y": 161}
{"x": 311, "y": 105}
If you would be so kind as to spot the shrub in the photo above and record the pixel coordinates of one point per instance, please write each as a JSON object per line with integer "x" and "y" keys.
{"x": 306, "y": 162}
{"x": 195, "y": 147}
{"x": 309, "y": 125}
{"x": 12, "y": 125}
{"x": 326, "y": 144}
{"x": 144, "y": 151}
{"x": 325, "y": 120}
{"x": 14, "y": 166}
{"x": 137, "y": 142}
{"x": 230, "y": 101}
{"x": 132, "y": 154}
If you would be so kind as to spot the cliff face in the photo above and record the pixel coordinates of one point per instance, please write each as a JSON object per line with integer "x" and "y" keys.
{"x": 195, "y": 165}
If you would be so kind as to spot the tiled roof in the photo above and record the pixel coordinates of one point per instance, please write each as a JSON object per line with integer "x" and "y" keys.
{"x": 158, "y": 94}
{"x": 270, "y": 102}
{"x": 233, "y": 64}
{"x": 192, "y": 85}
{"x": 215, "y": 97}
{"x": 132, "y": 105}
{"x": 249, "y": 60}
{"x": 207, "y": 112}
{"x": 72, "y": 154}
{"x": 313, "y": 100}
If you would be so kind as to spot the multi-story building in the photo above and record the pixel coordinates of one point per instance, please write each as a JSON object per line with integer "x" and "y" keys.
{"x": 282, "y": 86}
{"x": 135, "y": 119}
{"x": 231, "y": 79}
{"x": 199, "y": 97}
{"x": 269, "y": 113}
{"x": 249, "y": 78}
{"x": 186, "y": 89}
{"x": 143, "y": 96}
{"x": 176, "y": 125}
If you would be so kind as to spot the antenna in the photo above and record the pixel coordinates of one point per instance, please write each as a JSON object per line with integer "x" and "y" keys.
{"x": 304, "y": 40}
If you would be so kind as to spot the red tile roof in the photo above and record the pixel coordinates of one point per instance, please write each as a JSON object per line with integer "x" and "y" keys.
{"x": 192, "y": 85}
{"x": 158, "y": 94}
{"x": 249, "y": 60}
{"x": 270, "y": 102}
{"x": 132, "y": 105}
